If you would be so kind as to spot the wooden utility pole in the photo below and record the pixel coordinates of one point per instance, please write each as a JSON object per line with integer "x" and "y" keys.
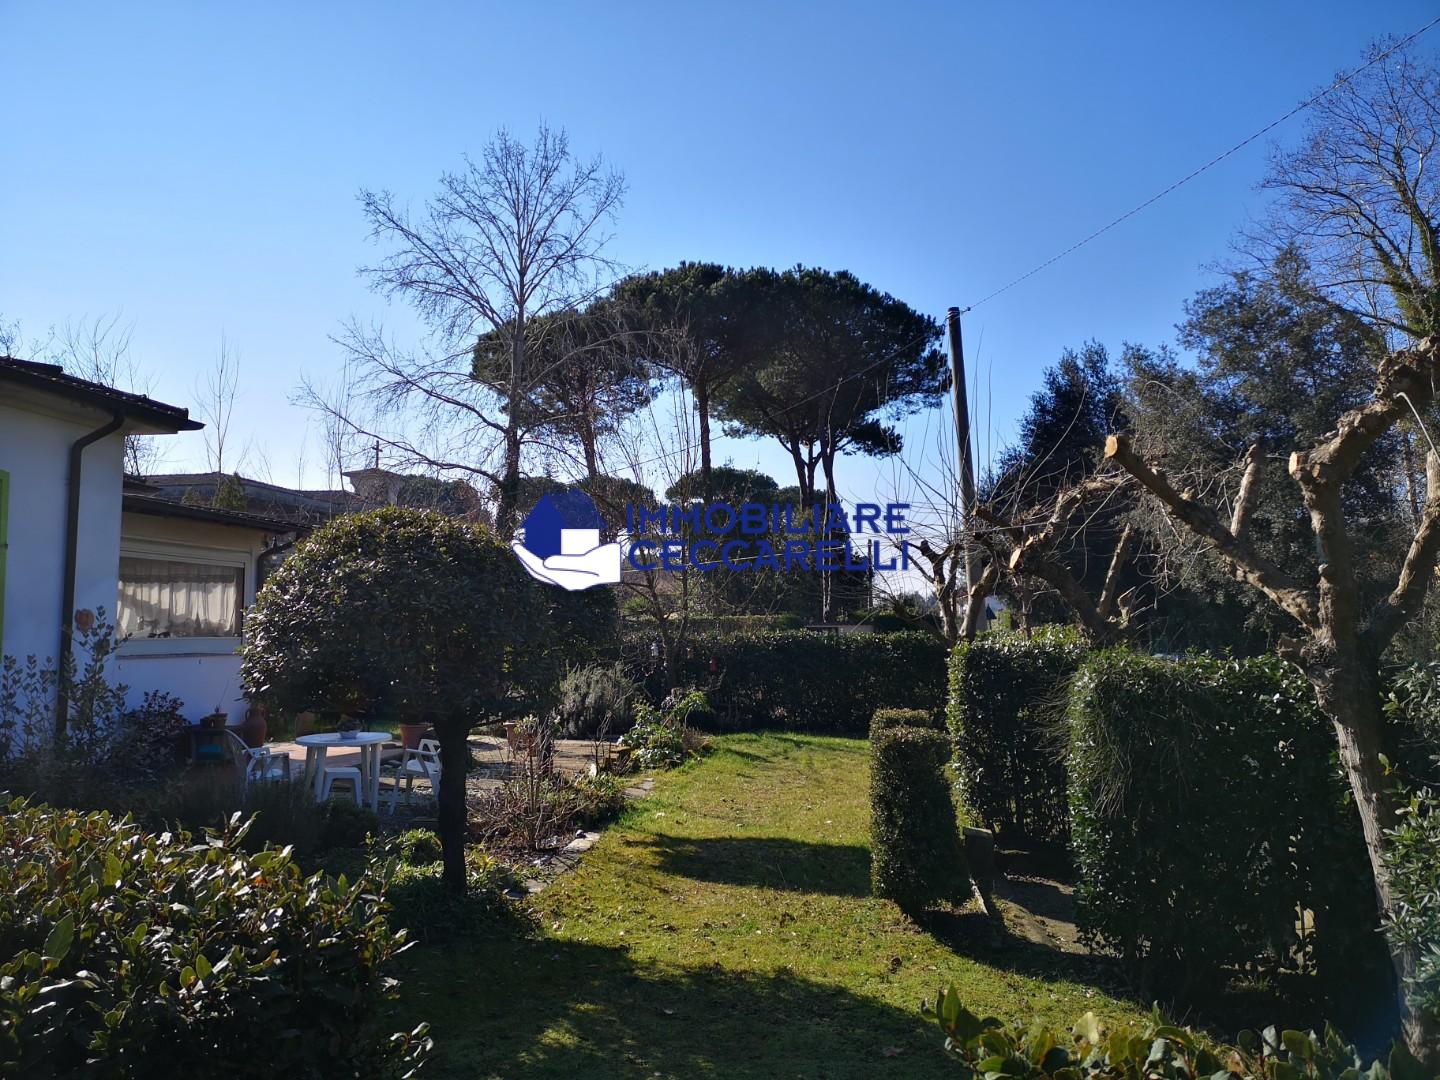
{"x": 964, "y": 460}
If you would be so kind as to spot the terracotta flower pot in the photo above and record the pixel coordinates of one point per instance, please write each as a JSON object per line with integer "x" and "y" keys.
{"x": 215, "y": 721}
{"x": 411, "y": 734}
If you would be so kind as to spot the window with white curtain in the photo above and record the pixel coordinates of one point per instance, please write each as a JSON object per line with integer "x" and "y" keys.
{"x": 168, "y": 598}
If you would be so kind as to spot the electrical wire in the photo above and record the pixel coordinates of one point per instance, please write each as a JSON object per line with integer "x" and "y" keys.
{"x": 1208, "y": 165}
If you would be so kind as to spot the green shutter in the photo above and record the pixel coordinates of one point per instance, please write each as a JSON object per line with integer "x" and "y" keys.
{"x": 4, "y": 547}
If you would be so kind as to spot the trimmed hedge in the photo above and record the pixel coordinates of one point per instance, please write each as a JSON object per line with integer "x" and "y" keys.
{"x": 116, "y": 945}
{"x": 916, "y": 857}
{"x": 891, "y": 718}
{"x": 1006, "y": 713}
{"x": 805, "y": 681}
{"x": 1207, "y": 808}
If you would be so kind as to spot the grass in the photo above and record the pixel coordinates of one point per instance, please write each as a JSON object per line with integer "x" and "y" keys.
{"x": 724, "y": 928}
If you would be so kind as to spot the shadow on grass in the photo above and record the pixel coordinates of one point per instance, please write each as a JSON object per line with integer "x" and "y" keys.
{"x": 765, "y": 862}
{"x": 544, "y": 1008}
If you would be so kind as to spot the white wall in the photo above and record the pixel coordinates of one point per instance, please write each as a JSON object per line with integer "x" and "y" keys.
{"x": 202, "y": 672}
{"x": 35, "y": 440}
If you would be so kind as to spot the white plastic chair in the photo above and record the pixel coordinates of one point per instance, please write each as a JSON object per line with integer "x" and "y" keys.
{"x": 257, "y": 763}
{"x": 344, "y": 773}
{"x": 419, "y": 764}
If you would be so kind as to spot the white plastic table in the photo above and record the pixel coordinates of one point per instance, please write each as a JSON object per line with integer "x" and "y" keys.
{"x": 367, "y": 742}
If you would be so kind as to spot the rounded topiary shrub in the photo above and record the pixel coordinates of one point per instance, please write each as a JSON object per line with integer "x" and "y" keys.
{"x": 1007, "y": 715}
{"x": 408, "y": 613}
{"x": 916, "y": 857}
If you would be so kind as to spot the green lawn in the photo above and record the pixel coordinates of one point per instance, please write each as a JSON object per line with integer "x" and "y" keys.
{"x": 724, "y": 928}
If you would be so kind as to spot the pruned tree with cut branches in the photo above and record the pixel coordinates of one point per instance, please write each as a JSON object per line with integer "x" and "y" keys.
{"x": 1340, "y": 640}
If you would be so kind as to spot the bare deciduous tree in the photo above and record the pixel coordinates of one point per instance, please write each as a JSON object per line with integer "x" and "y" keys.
{"x": 1360, "y": 197}
{"x": 506, "y": 240}
{"x": 215, "y": 395}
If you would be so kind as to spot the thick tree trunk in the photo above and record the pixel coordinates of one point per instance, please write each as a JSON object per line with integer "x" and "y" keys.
{"x": 454, "y": 764}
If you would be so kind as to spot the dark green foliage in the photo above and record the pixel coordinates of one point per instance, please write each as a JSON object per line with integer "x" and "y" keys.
{"x": 401, "y": 610}
{"x": 117, "y": 945}
{"x": 1006, "y": 715}
{"x": 1207, "y": 806}
{"x": 916, "y": 858}
{"x": 413, "y": 613}
{"x": 804, "y": 681}
{"x": 890, "y": 718}
{"x": 1414, "y": 921}
{"x": 1151, "y": 1048}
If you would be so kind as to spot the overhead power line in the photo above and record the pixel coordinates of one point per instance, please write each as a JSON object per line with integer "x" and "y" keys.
{"x": 1208, "y": 165}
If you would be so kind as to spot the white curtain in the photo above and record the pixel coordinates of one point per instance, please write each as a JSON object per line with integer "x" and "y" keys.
{"x": 162, "y": 598}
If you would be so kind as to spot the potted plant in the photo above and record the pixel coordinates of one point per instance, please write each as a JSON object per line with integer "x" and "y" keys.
{"x": 215, "y": 721}
{"x": 411, "y": 732}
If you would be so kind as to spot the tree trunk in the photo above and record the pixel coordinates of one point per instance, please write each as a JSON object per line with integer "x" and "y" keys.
{"x": 701, "y": 389}
{"x": 1348, "y": 692}
{"x": 506, "y": 510}
{"x": 454, "y": 764}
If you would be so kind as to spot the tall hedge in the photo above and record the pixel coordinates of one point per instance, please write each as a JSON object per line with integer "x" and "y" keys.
{"x": 1207, "y": 809}
{"x": 916, "y": 857}
{"x": 1006, "y": 713}
{"x": 806, "y": 681}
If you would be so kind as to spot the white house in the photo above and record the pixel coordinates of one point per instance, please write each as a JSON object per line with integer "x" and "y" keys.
{"x": 175, "y": 578}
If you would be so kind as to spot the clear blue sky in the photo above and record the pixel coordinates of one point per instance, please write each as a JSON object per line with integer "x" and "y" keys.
{"x": 193, "y": 167}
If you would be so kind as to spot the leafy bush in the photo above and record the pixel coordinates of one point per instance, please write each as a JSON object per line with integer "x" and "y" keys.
{"x": 1414, "y": 918}
{"x": 916, "y": 858}
{"x": 1006, "y": 714}
{"x": 791, "y": 678}
{"x": 592, "y": 701}
{"x": 420, "y": 902}
{"x": 1189, "y": 777}
{"x": 114, "y": 942}
{"x": 888, "y": 718}
{"x": 655, "y": 742}
{"x": 417, "y": 847}
{"x": 1150, "y": 1048}
{"x": 599, "y": 798}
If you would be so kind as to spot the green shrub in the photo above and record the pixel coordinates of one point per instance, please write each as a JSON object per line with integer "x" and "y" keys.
{"x": 889, "y": 718}
{"x": 1208, "y": 808}
{"x": 1414, "y": 918}
{"x": 594, "y": 701}
{"x": 417, "y": 847}
{"x": 1006, "y": 714}
{"x": 1149, "y": 1048}
{"x": 916, "y": 858}
{"x": 115, "y": 942}
{"x": 345, "y": 824}
{"x": 804, "y": 681}
{"x": 599, "y": 798}
{"x": 421, "y": 902}
{"x": 655, "y": 742}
